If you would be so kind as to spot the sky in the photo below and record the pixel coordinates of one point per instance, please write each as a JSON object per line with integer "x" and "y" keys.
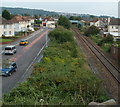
{"x": 94, "y": 7}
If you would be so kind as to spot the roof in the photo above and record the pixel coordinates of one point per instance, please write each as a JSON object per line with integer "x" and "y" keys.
{"x": 105, "y": 20}
{"x": 48, "y": 19}
{"x": 10, "y": 46}
{"x": 4, "y": 21}
{"x": 17, "y": 19}
{"x": 114, "y": 34}
{"x": 114, "y": 21}
{"x": 74, "y": 21}
{"x": 94, "y": 20}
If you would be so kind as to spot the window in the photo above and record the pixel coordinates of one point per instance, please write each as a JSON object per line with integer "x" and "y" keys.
{"x": 4, "y": 33}
{"x": 5, "y": 26}
{"x": 10, "y": 32}
{"x": 117, "y": 27}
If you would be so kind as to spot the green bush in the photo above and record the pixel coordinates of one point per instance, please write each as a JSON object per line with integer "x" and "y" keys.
{"x": 108, "y": 39}
{"x": 61, "y": 35}
{"x": 63, "y": 21}
{"x": 92, "y": 30}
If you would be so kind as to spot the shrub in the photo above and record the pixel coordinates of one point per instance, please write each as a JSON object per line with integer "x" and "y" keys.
{"x": 63, "y": 21}
{"x": 92, "y": 30}
{"x": 108, "y": 39}
{"x": 61, "y": 35}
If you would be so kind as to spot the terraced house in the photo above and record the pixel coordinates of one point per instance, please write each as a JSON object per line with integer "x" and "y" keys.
{"x": 15, "y": 25}
{"x": 22, "y": 23}
{"x": 6, "y": 27}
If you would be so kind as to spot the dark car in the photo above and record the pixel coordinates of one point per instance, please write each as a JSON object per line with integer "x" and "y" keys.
{"x": 7, "y": 70}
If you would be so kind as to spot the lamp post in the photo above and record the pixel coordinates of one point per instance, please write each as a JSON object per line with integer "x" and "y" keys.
{"x": 46, "y": 37}
{"x": 46, "y": 33}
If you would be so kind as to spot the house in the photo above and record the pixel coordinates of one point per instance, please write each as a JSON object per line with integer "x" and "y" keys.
{"x": 98, "y": 23}
{"x": 114, "y": 25}
{"x": 6, "y": 28}
{"x": 22, "y": 23}
{"x": 48, "y": 22}
{"x": 77, "y": 22}
{"x": 113, "y": 28}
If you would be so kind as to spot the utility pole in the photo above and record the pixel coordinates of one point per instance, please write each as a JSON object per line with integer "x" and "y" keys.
{"x": 46, "y": 37}
{"x": 46, "y": 34}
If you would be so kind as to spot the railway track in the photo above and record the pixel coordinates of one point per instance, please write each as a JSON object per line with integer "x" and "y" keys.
{"x": 113, "y": 70}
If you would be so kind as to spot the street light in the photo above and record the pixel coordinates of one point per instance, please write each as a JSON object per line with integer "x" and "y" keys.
{"x": 46, "y": 37}
{"x": 46, "y": 33}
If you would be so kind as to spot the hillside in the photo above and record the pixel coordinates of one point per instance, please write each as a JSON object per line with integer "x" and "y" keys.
{"x": 22, "y": 11}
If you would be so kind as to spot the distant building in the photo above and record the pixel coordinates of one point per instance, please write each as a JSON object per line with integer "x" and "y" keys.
{"x": 6, "y": 28}
{"x": 77, "y": 22}
{"x": 48, "y": 22}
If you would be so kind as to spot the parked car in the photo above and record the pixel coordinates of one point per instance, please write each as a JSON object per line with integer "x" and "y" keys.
{"x": 23, "y": 42}
{"x": 10, "y": 50}
{"x": 8, "y": 69}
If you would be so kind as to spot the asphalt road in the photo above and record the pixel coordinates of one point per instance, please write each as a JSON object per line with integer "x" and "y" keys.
{"x": 24, "y": 57}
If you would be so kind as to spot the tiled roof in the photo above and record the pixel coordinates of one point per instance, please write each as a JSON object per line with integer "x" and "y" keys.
{"x": 17, "y": 19}
{"x": 105, "y": 20}
{"x": 48, "y": 19}
{"x": 94, "y": 20}
{"x": 114, "y": 21}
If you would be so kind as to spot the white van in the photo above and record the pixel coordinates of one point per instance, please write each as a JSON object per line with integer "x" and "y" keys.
{"x": 10, "y": 50}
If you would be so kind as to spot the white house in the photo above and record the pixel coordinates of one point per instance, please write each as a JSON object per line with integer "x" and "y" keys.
{"x": 114, "y": 28}
{"x": 6, "y": 28}
{"x": 98, "y": 23}
{"x": 114, "y": 25}
{"x": 48, "y": 22}
{"x": 22, "y": 23}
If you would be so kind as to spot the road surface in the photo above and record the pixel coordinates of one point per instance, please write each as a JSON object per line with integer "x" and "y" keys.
{"x": 24, "y": 57}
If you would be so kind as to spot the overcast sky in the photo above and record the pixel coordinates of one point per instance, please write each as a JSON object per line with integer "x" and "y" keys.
{"x": 95, "y": 7}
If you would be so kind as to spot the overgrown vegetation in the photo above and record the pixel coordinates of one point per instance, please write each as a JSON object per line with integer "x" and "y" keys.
{"x": 104, "y": 42}
{"x": 92, "y": 30}
{"x": 61, "y": 78}
{"x": 63, "y": 21}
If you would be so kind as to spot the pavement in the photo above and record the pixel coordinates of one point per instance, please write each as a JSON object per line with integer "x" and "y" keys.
{"x": 25, "y": 58}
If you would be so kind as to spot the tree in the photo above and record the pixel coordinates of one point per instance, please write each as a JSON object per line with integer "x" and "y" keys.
{"x": 26, "y": 14}
{"x": 75, "y": 18}
{"x": 63, "y": 21}
{"x": 6, "y": 14}
{"x": 36, "y": 16}
{"x": 92, "y": 30}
